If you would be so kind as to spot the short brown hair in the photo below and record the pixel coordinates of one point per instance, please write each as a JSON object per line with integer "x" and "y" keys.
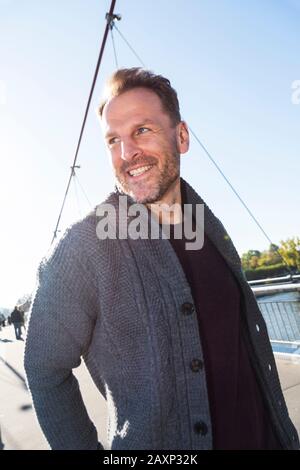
{"x": 126, "y": 79}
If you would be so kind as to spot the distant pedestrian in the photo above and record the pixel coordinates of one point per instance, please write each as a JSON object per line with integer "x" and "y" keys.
{"x": 23, "y": 320}
{"x": 1, "y": 443}
{"x": 2, "y": 321}
{"x": 17, "y": 320}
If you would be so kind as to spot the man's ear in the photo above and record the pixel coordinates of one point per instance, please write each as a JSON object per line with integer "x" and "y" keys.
{"x": 183, "y": 137}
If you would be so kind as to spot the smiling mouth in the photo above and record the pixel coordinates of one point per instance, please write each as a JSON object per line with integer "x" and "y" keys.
{"x": 139, "y": 171}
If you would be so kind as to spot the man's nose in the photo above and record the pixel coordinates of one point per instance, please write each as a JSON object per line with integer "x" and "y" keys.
{"x": 129, "y": 150}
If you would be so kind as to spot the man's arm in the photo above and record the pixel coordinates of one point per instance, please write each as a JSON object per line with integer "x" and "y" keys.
{"x": 59, "y": 332}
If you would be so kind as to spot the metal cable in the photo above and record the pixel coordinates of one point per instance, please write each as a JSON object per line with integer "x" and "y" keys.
{"x": 114, "y": 47}
{"x": 112, "y": 25}
{"x": 230, "y": 185}
{"x": 238, "y": 196}
{"x": 130, "y": 47}
{"x": 110, "y": 14}
{"x": 220, "y": 171}
{"x": 84, "y": 193}
{"x": 76, "y": 195}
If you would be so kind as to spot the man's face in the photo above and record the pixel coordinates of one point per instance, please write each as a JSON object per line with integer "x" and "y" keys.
{"x": 144, "y": 146}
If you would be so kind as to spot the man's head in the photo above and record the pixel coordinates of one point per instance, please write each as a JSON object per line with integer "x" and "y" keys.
{"x": 144, "y": 134}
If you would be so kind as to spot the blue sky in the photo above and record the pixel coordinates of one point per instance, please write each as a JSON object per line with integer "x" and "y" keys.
{"x": 232, "y": 63}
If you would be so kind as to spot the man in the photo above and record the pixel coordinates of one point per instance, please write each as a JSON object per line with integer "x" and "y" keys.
{"x": 2, "y": 321}
{"x": 172, "y": 337}
{"x": 17, "y": 319}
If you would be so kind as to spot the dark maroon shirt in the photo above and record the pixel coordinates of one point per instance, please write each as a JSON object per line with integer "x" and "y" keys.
{"x": 239, "y": 417}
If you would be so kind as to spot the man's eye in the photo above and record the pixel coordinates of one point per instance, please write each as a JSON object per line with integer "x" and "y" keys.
{"x": 112, "y": 141}
{"x": 142, "y": 130}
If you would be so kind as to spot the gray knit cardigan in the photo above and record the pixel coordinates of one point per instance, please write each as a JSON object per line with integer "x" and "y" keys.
{"x": 118, "y": 304}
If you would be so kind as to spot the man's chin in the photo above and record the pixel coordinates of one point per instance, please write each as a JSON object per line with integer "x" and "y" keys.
{"x": 140, "y": 196}
{"x": 143, "y": 198}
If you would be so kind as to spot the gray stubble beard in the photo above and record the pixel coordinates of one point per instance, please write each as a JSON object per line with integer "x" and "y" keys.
{"x": 164, "y": 181}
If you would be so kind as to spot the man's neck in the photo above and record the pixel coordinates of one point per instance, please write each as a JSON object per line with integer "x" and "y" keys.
{"x": 168, "y": 209}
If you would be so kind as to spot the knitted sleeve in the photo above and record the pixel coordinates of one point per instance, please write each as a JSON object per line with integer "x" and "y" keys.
{"x": 59, "y": 332}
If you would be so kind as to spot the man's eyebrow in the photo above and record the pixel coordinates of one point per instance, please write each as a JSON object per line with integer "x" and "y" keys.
{"x": 109, "y": 134}
{"x": 134, "y": 126}
{"x": 145, "y": 121}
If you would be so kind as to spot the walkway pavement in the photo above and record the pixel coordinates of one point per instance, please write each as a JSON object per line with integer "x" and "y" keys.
{"x": 19, "y": 428}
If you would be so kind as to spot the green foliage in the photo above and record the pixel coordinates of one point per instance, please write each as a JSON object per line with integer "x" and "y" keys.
{"x": 250, "y": 259}
{"x": 266, "y": 272}
{"x": 272, "y": 262}
{"x": 269, "y": 258}
{"x": 290, "y": 251}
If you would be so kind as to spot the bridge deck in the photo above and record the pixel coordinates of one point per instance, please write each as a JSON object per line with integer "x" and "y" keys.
{"x": 20, "y": 430}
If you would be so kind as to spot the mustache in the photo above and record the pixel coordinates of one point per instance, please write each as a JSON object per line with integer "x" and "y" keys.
{"x": 143, "y": 161}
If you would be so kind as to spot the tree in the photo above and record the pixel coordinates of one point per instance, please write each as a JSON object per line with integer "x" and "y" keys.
{"x": 290, "y": 251}
{"x": 270, "y": 257}
{"x": 250, "y": 259}
{"x": 273, "y": 248}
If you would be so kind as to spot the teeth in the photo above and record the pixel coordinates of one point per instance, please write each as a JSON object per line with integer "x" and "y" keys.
{"x": 139, "y": 171}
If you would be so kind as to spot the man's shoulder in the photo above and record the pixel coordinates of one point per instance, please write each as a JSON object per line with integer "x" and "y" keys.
{"x": 77, "y": 235}
{"x": 80, "y": 238}
{"x": 83, "y": 230}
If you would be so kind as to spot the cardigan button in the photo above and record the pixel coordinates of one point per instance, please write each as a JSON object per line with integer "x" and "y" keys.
{"x": 196, "y": 365}
{"x": 187, "y": 308}
{"x": 201, "y": 428}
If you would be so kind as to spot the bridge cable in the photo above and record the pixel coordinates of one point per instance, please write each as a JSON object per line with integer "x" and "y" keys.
{"x": 82, "y": 190}
{"x": 130, "y": 47}
{"x": 218, "y": 169}
{"x": 76, "y": 195}
{"x": 113, "y": 43}
{"x": 239, "y": 198}
{"x": 231, "y": 186}
{"x": 109, "y": 18}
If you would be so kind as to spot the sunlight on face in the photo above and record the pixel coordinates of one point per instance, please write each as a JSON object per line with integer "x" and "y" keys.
{"x": 142, "y": 145}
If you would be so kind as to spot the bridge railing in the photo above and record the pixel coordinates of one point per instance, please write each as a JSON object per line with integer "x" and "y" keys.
{"x": 282, "y": 319}
{"x": 274, "y": 280}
